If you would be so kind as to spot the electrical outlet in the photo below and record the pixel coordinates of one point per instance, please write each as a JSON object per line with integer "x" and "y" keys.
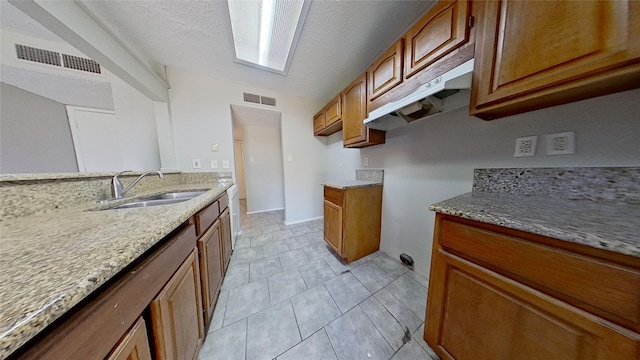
{"x": 526, "y": 146}
{"x": 195, "y": 163}
{"x": 563, "y": 143}
{"x": 225, "y": 164}
{"x": 214, "y": 164}
{"x": 289, "y": 157}
{"x": 365, "y": 161}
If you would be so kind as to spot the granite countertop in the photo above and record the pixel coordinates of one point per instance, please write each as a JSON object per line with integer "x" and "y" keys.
{"x": 601, "y": 225}
{"x": 351, "y": 184}
{"x": 51, "y": 261}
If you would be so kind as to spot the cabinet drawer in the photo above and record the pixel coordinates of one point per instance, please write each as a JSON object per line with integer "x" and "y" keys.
{"x": 610, "y": 290}
{"x": 206, "y": 217}
{"x": 333, "y": 195}
{"x": 224, "y": 202}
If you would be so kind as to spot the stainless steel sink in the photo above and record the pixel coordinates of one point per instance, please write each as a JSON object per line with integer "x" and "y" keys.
{"x": 161, "y": 199}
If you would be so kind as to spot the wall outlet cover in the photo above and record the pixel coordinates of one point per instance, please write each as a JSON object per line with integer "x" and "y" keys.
{"x": 365, "y": 161}
{"x": 195, "y": 163}
{"x": 563, "y": 143}
{"x": 225, "y": 164}
{"x": 214, "y": 164}
{"x": 526, "y": 146}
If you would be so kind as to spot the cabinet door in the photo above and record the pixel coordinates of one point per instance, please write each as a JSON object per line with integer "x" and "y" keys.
{"x": 333, "y": 111}
{"x": 333, "y": 226}
{"x": 134, "y": 345}
{"x": 474, "y": 313}
{"x": 386, "y": 72}
{"x": 532, "y": 55}
{"x": 443, "y": 29}
{"x": 210, "y": 268}
{"x": 225, "y": 238}
{"x": 354, "y": 111}
{"x": 318, "y": 122}
{"x": 176, "y": 314}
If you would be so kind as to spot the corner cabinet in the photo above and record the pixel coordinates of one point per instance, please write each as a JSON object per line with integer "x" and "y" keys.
{"x": 352, "y": 219}
{"x": 354, "y": 111}
{"x": 497, "y": 293}
{"x": 532, "y": 55}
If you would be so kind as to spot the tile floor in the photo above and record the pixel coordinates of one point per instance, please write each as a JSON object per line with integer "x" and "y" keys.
{"x": 286, "y": 296}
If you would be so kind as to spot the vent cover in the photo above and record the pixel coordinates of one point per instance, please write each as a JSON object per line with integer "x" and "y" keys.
{"x": 268, "y": 100}
{"x": 258, "y": 99}
{"x": 43, "y": 56}
{"x": 252, "y": 98}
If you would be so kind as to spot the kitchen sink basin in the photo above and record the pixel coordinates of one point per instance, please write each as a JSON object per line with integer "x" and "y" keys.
{"x": 161, "y": 199}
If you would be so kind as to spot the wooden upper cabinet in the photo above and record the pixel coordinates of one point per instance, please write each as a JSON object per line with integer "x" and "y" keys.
{"x": 532, "y": 55}
{"x": 318, "y": 122}
{"x": 443, "y": 29}
{"x": 386, "y": 72}
{"x": 354, "y": 111}
{"x": 333, "y": 111}
{"x": 329, "y": 119}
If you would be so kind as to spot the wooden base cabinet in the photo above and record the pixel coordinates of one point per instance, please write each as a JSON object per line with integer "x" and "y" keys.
{"x": 480, "y": 306}
{"x": 225, "y": 238}
{"x": 211, "y": 270}
{"x": 352, "y": 220}
{"x": 176, "y": 314}
{"x": 134, "y": 345}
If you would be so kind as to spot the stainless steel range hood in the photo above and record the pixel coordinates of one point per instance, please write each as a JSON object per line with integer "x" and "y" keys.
{"x": 446, "y": 92}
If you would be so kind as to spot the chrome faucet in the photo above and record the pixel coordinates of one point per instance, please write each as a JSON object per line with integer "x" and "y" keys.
{"x": 116, "y": 185}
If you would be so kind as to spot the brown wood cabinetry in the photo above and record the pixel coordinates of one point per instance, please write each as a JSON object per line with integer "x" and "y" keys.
{"x": 443, "y": 29}
{"x": 532, "y": 55}
{"x": 328, "y": 120}
{"x": 354, "y": 111}
{"x": 211, "y": 270}
{"x": 176, "y": 314}
{"x": 134, "y": 345}
{"x": 496, "y": 293}
{"x": 352, "y": 219}
{"x": 225, "y": 238}
{"x": 386, "y": 72}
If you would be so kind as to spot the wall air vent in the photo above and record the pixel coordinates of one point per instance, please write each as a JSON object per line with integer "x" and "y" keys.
{"x": 252, "y": 98}
{"x": 48, "y": 57}
{"x": 268, "y": 101}
{"x": 38, "y": 55}
{"x": 82, "y": 64}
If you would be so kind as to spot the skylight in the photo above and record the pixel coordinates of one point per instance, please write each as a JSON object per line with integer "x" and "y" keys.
{"x": 265, "y": 32}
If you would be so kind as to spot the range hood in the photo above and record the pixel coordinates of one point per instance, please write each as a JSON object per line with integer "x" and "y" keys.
{"x": 447, "y": 92}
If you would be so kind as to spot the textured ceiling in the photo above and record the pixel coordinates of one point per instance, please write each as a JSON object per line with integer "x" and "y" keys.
{"x": 338, "y": 41}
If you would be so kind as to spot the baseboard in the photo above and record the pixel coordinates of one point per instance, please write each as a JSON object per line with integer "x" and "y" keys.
{"x": 263, "y": 211}
{"x": 302, "y": 221}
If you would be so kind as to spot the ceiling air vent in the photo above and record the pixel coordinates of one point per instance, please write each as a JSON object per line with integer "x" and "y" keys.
{"x": 48, "y": 57}
{"x": 252, "y": 98}
{"x": 268, "y": 101}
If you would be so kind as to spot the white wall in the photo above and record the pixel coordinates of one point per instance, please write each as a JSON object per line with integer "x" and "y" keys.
{"x": 35, "y": 134}
{"x": 433, "y": 159}
{"x": 136, "y": 118}
{"x": 200, "y": 114}
{"x": 264, "y": 176}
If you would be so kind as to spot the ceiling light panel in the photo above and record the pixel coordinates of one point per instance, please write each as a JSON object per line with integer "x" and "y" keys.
{"x": 265, "y": 31}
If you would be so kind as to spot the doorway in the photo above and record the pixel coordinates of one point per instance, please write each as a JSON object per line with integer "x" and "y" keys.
{"x": 258, "y": 156}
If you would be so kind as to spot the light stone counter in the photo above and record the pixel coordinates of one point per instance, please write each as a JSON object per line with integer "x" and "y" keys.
{"x": 597, "y": 207}
{"x": 350, "y": 184}
{"x": 50, "y": 261}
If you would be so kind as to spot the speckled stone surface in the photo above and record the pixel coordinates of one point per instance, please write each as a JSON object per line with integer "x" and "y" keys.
{"x": 613, "y": 184}
{"x": 596, "y": 207}
{"x": 375, "y": 175}
{"x": 52, "y": 260}
{"x": 350, "y": 184}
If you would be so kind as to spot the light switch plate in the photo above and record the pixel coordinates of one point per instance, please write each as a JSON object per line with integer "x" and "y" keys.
{"x": 196, "y": 163}
{"x": 225, "y": 164}
{"x": 214, "y": 147}
{"x": 289, "y": 157}
{"x": 214, "y": 164}
{"x": 526, "y": 146}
